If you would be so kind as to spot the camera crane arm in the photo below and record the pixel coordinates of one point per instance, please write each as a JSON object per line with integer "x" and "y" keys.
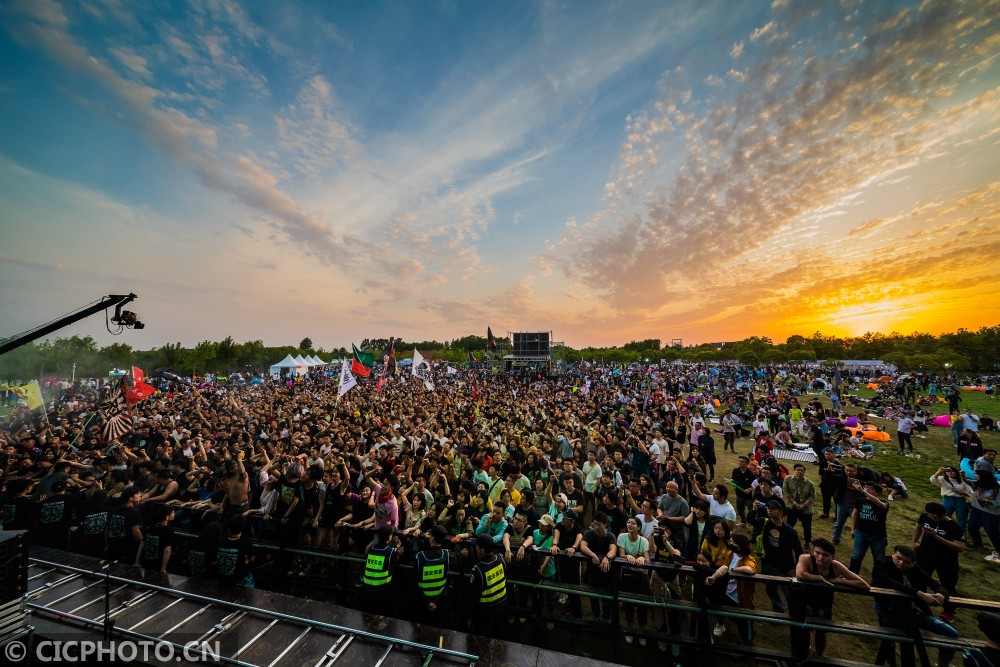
{"x": 117, "y": 300}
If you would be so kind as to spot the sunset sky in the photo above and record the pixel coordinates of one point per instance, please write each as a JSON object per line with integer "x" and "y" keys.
{"x": 608, "y": 171}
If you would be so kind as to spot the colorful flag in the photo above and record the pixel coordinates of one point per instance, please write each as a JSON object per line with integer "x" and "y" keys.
{"x": 30, "y": 393}
{"x": 491, "y": 339}
{"x": 137, "y": 375}
{"x": 422, "y": 370}
{"x": 113, "y": 415}
{"x": 363, "y": 362}
{"x": 472, "y": 360}
{"x": 347, "y": 380}
{"x": 389, "y": 358}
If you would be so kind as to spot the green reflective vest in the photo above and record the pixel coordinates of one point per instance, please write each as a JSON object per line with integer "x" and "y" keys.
{"x": 377, "y": 563}
{"x": 432, "y": 573}
{"x": 493, "y": 581}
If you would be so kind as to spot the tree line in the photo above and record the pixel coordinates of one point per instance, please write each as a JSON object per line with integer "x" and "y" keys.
{"x": 962, "y": 350}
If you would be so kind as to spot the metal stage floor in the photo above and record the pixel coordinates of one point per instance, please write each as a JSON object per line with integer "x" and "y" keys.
{"x": 67, "y": 597}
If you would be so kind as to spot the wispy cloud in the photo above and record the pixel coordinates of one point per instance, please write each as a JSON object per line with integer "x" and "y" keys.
{"x": 804, "y": 129}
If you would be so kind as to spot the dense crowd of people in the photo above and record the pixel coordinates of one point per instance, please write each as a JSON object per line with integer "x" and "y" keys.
{"x": 575, "y": 478}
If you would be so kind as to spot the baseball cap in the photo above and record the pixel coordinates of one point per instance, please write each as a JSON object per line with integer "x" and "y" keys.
{"x": 570, "y": 514}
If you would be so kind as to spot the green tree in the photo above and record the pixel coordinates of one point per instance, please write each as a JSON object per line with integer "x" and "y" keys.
{"x": 774, "y": 356}
{"x": 306, "y": 345}
{"x": 118, "y": 355}
{"x": 642, "y": 345}
{"x": 202, "y": 358}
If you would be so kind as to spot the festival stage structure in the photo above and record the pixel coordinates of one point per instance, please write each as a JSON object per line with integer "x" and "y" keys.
{"x": 532, "y": 350}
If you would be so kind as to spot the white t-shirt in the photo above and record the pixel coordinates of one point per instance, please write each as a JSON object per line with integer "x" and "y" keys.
{"x": 638, "y": 548}
{"x": 663, "y": 447}
{"x": 724, "y": 510}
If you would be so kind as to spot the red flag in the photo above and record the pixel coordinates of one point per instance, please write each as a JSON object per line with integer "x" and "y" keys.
{"x": 137, "y": 375}
{"x": 138, "y": 392}
{"x": 359, "y": 368}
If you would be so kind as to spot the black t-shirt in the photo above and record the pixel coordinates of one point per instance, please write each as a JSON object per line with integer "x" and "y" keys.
{"x": 782, "y": 547}
{"x": 597, "y": 544}
{"x": 616, "y": 519}
{"x": 334, "y": 504}
{"x": 156, "y": 540}
{"x": 93, "y": 523}
{"x": 19, "y": 513}
{"x": 744, "y": 479}
{"x": 311, "y": 500}
{"x": 567, "y": 536}
{"x": 932, "y": 552}
{"x": 575, "y": 499}
{"x": 871, "y": 517}
{"x": 56, "y": 513}
{"x": 232, "y": 560}
{"x": 120, "y": 523}
{"x": 517, "y": 539}
{"x": 287, "y": 493}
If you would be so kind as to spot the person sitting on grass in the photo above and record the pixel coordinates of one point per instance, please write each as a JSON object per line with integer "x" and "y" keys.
{"x": 894, "y": 485}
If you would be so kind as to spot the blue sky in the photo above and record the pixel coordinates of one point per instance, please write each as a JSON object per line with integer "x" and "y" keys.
{"x": 607, "y": 171}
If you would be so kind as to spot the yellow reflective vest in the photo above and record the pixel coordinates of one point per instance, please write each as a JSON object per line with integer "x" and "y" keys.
{"x": 378, "y": 564}
{"x": 491, "y": 579}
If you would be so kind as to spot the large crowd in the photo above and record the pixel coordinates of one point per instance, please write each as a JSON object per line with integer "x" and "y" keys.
{"x": 576, "y": 478}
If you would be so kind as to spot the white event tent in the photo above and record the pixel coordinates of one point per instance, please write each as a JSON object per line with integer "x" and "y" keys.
{"x": 289, "y": 366}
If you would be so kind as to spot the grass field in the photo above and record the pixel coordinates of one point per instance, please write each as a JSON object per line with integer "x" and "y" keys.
{"x": 929, "y": 454}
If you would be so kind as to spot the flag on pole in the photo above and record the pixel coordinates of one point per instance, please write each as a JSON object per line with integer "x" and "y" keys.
{"x": 347, "y": 380}
{"x": 491, "y": 340}
{"x": 472, "y": 360}
{"x": 421, "y": 369}
{"x": 363, "y": 362}
{"x": 389, "y": 358}
{"x": 139, "y": 391}
{"x": 452, "y": 370}
{"x": 113, "y": 415}
{"x": 30, "y": 393}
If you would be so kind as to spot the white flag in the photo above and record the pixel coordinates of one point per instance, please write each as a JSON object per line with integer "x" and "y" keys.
{"x": 452, "y": 370}
{"x": 422, "y": 369}
{"x": 347, "y": 380}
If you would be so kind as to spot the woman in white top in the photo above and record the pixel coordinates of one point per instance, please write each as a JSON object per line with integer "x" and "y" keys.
{"x": 956, "y": 494}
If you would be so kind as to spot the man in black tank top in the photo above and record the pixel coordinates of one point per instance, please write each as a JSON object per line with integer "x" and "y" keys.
{"x": 817, "y": 576}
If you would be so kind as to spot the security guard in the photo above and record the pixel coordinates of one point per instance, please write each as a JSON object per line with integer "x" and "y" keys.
{"x": 380, "y": 565}
{"x": 489, "y": 587}
{"x": 432, "y": 577}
